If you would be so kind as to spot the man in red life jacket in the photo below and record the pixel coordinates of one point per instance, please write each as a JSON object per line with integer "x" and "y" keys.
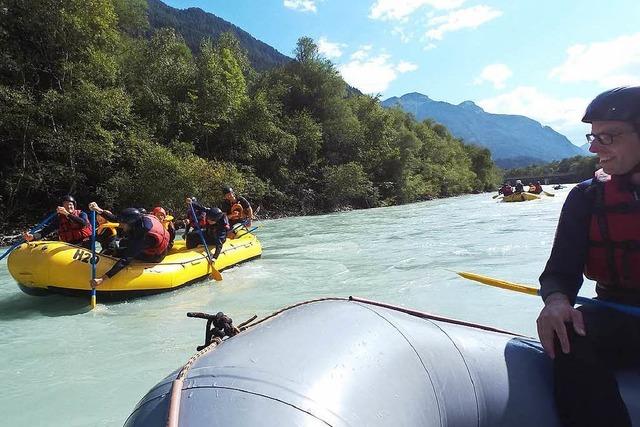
{"x": 73, "y": 225}
{"x": 598, "y": 234}
{"x": 145, "y": 239}
{"x": 506, "y": 189}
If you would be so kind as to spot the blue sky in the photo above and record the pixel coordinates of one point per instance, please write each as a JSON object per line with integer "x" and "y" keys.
{"x": 540, "y": 58}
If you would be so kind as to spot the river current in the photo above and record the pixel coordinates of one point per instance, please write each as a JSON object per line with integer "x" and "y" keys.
{"x": 63, "y": 365}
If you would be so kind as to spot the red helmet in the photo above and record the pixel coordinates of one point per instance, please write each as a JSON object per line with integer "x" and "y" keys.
{"x": 159, "y": 210}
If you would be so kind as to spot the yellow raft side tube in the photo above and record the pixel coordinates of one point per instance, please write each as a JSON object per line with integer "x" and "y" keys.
{"x": 56, "y": 266}
{"x": 520, "y": 197}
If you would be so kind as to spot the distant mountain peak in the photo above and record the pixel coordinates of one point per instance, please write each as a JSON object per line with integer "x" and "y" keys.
{"x": 513, "y": 140}
{"x": 471, "y": 106}
{"x": 414, "y": 97}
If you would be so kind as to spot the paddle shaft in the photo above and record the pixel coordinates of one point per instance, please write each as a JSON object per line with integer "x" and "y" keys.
{"x": 93, "y": 257}
{"x": 248, "y": 231}
{"x": 204, "y": 242}
{"x": 530, "y": 290}
{"x": 33, "y": 230}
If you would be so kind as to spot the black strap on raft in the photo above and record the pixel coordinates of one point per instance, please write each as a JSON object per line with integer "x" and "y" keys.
{"x": 218, "y": 326}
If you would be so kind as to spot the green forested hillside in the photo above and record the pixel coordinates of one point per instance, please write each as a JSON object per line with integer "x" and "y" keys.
{"x": 91, "y": 106}
{"x": 583, "y": 167}
{"x": 194, "y": 24}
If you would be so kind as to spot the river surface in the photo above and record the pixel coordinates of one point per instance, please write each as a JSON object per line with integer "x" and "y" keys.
{"x": 65, "y": 366}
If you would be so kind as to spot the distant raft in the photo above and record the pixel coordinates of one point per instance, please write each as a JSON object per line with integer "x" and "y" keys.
{"x": 43, "y": 267}
{"x": 520, "y": 197}
{"x": 340, "y": 362}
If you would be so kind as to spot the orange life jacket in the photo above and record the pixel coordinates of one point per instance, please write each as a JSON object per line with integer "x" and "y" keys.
{"x": 72, "y": 232}
{"x": 236, "y": 212}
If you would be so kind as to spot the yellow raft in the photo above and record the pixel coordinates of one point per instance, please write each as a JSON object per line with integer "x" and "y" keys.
{"x": 52, "y": 266}
{"x": 520, "y": 197}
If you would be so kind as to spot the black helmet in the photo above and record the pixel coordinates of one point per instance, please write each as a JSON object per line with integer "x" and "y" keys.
{"x": 214, "y": 214}
{"x": 619, "y": 104}
{"x": 143, "y": 211}
{"x": 226, "y": 190}
{"x": 68, "y": 198}
{"x": 129, "y": 215}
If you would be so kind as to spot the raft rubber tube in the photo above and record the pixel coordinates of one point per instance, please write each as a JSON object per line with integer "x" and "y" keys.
{"x": 353, "y": 363}
{"x": 520, "y": 197}
{"x": 44, "y": 267}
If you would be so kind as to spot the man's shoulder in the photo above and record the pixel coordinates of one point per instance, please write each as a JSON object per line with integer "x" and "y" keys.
{"x": 583, "y": 194}
{"x": 243, "y": 201}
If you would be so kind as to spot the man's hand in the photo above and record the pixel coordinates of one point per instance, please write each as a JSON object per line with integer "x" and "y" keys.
{"x": 96, "y": 282}
{"x": 27, "y": 236}
{"x": 93, "y": 206}
{"x": 62, "y": 211}
{"x": 551, "y": 322}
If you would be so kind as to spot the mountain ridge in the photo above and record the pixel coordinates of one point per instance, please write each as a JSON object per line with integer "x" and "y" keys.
{"x": 514, "y": 140}
{"x": 194, "y": 24}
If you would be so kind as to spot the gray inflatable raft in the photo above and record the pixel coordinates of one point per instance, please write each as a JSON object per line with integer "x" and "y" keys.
{"x": 353, "y": 362}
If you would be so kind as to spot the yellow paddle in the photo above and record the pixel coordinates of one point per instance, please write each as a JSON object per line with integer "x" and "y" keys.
{"x": 499, "y": 283}
{"x": 215, "y": 274}
{"x": 107, "y": 225}
{"x": 104, "y": 225}
{"x": 526, "y": 289}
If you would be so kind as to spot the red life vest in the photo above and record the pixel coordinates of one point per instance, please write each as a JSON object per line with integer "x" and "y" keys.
{"x": 159, "y": 234}
{"x": 72, "y": 232}
{"x": 614, "y": 236}
{"x": 201, "y": 219}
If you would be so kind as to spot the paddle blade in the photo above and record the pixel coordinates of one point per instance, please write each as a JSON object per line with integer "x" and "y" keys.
{"x": 497, "y": 195}
{"x": 215, "y": 274}
{"x": 549, "y": 194}
{"x": 499, "y": 283}
{"x": 93, "y": 300}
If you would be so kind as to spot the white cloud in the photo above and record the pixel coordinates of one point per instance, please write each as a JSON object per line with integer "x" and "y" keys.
{"x": 496, "y": 74}
{"x": 402, "y": 34}
{"x": 612, "y": 63}
{"x": 471, "y": 17}
{"x": 562, "y": 114}
{"x": 361, "y": 53}
{"x": 301, "y": 5}
{"x": 400, "y": 10}
{"x": 405, "y": 67}
{"x": 329, "y": 49}
{"x": 372, "y": 74}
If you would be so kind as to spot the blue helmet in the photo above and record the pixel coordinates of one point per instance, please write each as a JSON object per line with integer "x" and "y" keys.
{"x": 619, "y": 104}
{"x": 214, "y": 214}
{"x": 129, "y": 215}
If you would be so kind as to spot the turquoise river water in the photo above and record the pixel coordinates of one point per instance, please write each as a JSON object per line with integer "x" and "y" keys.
{"x": 66, "y": 366}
